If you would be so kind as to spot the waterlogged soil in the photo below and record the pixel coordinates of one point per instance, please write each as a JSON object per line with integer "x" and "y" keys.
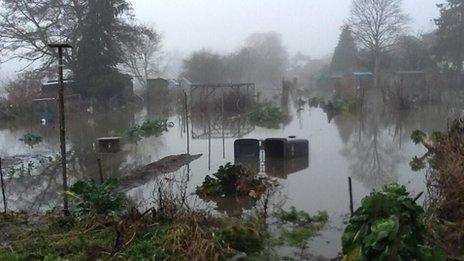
{"x": 373, "y": 148}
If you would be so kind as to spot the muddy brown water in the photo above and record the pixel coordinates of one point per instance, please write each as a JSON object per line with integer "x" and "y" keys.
{"x": 373, "y": 148}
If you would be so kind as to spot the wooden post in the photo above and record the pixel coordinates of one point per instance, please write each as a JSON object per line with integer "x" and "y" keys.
{"x": 187, "y": 121}
{"x": 100, "y": 170}
{"x": 350, "y": 189}
{"x": 209, "y": 141}
{"x": 3, "y": 188}
{"x": 62, "y": 122}
{"x": 223, "y": 133}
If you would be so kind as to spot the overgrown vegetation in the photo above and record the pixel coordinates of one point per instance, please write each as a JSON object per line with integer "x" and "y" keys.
{"x": 147, "y": 129}
{"x": 107, "y": 228}
{"x": 97, "y": 198}
{"x": 233, "y": 180}
{"x": 445, "y": 158}
{"x": 388, "y": 226}
{"x": 267, "y": 116}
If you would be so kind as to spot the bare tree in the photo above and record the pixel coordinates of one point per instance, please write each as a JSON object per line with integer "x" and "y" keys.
{"x": 376, "y": 25}
{"x": 143, "y": 56}
{"x": 26, "y": 27}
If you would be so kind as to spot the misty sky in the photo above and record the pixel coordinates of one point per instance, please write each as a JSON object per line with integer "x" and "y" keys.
{"x": 309, "y": 26}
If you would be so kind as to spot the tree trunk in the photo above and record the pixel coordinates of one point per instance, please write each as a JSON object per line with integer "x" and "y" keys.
{"x": 376, "y": 70}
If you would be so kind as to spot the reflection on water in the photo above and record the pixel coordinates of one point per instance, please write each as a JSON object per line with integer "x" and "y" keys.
{"x": 283, "y": 168}
{"x": 372, "y": 147}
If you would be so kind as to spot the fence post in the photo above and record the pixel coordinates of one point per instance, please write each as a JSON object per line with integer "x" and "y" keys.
{"x": 350, "y": 189}
{"x": 3, "y": 188}
{"x": 100, "y": 170}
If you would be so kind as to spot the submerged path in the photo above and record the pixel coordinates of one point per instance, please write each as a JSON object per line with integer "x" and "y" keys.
{"x": 145, "y": 174}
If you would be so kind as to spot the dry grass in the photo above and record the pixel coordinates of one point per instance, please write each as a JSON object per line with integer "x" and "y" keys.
{"x": 445, "y": 182}
{"x": 191, "y": 241}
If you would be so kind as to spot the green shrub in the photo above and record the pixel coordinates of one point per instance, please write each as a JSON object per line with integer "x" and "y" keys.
{"x": 232, "y": 180}
{"x": 388, "y": 226}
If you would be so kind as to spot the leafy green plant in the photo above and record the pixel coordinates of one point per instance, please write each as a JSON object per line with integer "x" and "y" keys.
{"x": 388, "y": 226}
{"x": 233, "y": 180}
{"x": 99, "y": 198}
{"x": 31, "y": 139}
{"x": 267, "y": 116}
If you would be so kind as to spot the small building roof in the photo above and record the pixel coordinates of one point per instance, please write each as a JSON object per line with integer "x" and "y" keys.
{"x": 410, "y": 72}
{"x": 44, "y": 100}
{"x": 363, "y": 74}
{"x": 49, "y": 83}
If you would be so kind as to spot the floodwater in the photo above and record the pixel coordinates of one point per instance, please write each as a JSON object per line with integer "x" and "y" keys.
{"x": 373, "y": 148}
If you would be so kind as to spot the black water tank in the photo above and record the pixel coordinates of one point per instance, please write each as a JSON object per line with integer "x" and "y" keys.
{"x": 246, "y": 148}
{"x": 247, "y": 153}
{"x": 286, "y": 148}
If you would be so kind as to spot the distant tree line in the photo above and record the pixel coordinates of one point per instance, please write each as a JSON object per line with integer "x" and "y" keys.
{"x": 106, "y": 38}
{"x": 374, "y": 39}
{"x": 263, "y": 60}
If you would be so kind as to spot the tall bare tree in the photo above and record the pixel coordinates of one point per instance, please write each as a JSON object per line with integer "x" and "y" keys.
{"x": 376, "y": 25}
{"x": 143, "y": 57}
{"x": 27, "y": 26}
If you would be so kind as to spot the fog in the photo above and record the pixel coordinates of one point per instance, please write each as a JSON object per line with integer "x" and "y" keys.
{"x": 261, "y": 129}
{"x": 309, "y": 26}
